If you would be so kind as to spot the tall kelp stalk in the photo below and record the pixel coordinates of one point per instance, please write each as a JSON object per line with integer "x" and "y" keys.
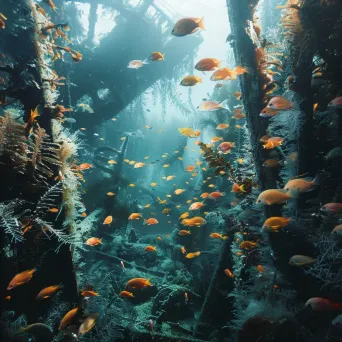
{"x": 36, "y": 177}
{"x": 251, "y": 83}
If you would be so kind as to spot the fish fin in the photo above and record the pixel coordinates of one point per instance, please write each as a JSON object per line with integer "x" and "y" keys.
{"x": 294, "y": 193}
{"x": 201, "y": 24}
{"x": 148, "y": 282}
{"x": 146, "y": 61}
{"x": 224, "y": 104}
{"x": 223, "y": 194}
{"x": 224, "y": 237}
{"x": 316, "y": 180}
{"x": 268, "y": 202}
{"x": 275, "y": 227}
{"x": 242, "y": 188}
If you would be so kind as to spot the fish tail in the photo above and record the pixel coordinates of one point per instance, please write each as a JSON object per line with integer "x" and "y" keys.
{"x": 316, "y": 180}
{"x": 224, "y": 104}
{"x": 223, "y": 194}
{"x": 242, "y": 188}
{"x": 294, "y": 193}
{"x": 146, "y": 61}
{"x": 224, "y": 237}
{"x": 201, "y": 24}
{"x": 22, "y": 329}
{"x": 148, "y": 282}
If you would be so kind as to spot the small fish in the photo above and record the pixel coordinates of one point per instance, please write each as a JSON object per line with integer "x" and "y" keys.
{"x": 166, "y": 210}
{"x": 186, "y": 297}
{"x": 190, "y": 81}
{"x": 223, "y": 74}
{"x": 89, "y": 293}
{"x": 29, "y": 125}
{"x": 273, "y": 163}
{"x": 260, "y": 269}
{"x": 110, "y": 193}
{"x": 48, "y": 291}
{"x": 108, "y": 220}
{"x": 85, "y": 108}
{"x": 247, "y": 245}
{"x": 126, "y": 294}
{"x": 336, "y": 152}
{"x": 268, "y": 113}
{"x": 337, "y": 230}
{"x": 122, "y": 265}
{"x": 225, "y": 147}
{"x": 153, "y": 184}
{"x": 189, "y": 132}
{"x": 53, "y": 210}
{"x": 237, "y": 95}
{"x": 151, "y": 221}
{"x": 183, "y": 250}
{"x": 67, "y": 319}
{"x": 194, "y": 221}
{"x": 51, "y": 4}
{"x": 204, "y": 195}
{"x": 132, "y": 185}
{"x": 166, "y": 165}
{"x": 168, "y": 178}
{"x": 322, "y": 304}
{"x": 218, "y": 236}
{"x": 178, "y": 191}
{"x": 215, "y": 139}
{"x": 88, "y": 324}
{"x": 222, "y": 126}
{"x": 184, "y": 215}
{"x": 8, "y": 298}
{"x": 39, "y": 331}
{"x": 138, "y": 283}
{"x": 93, "y": 241}
{"x": 301, "y": 260}
{"x": 187, "y": 26}
{"x": 279, "y": 103}
{"x": 84, "y": 166}
{"x": 111, "y": 162}
{"x": 159, "y": 238}
{"x": 240, "y": 161}
{"x": 229, "y": 273}
{"x": 196, "y": 206}
{"x": 302, "y": 185}
{"x": 209, "y": 106}
{"x": 273, "y": 142}
{"x": 150, "y": 249}
{"x": 336, "y": 103}
{"x": 216, "y": 194}
{"x": 236, "y": 188}
{"x": 332, "y": 208}
{"x": 21, "y": 278}
{"x": 156, "y": 56}
{"x": 276, "y": 196}
{"x": 193, "y": 255}
{"x": 2, "y": 21}
{"x": 135, "y": 216}
{"x": 184, "y": 232}
{"x": 207, "y": 64}
{"x": 190, "y": 168}
{"x": 136, "y": 64}
{"x": 273, "y": 224}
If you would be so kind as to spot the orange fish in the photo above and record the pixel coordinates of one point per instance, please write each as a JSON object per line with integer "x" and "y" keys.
{"x": 222, "y": 126}
{"x": 183, "y": 250}
{"x": 184, "y": 215}
{"x": 229, "y": 273}
{"x": 239, "y": 116}
{"x": 273, "y": 163}
{"x": 218, "y": 236}
{"x": 275, "y": 223}
{"x": 67, "y": 319}
{"x": 268, "y": 112}
{"x": 239, "y": 70}
{"x": 190, "y": 81}
{"x": 225, "y": 147}
{"x": 216, "y": 194}
{"x": 204, "y": 195}
{"x": 302, "y": 185}
{"x": 2, "y": 21}
{"x": 215, "y": 139}
{"x": 84, "y": 166}
{"x": 187, "y": 26}
{"x": 93, "y": 241}
{"x": 264, "y": 139}
{"x": 184, "y": 232}
{"x": 260, "y": 269}
{"x": 84, "y": 214}
{"x": 156, "y": 56}
{"x": 135, "y": 216}
{"x": 110, "y": 193}
{"x": 276, "y": 196}
{"x": 151, "y": 221}
{"x": 48, "y": 291}
{"x": 150, "y": 249}
{"x": 138, "y": 283}
{"x": 89, "y": 293}
{"x": 223, "y": 74}
{"x": 54, "y": 210}
{"x": 280, "y": 103}
{"x": 196, "y": 206}
{"x": 210, "y": 106}
{"x": 193, "y": 255}
{"x": 126, "y": 294}
{"x": 21, "y": 278}
{"x": 108, "y": 220}
{"x": 8, "y": 298}
{"x": 51, "y": 4}
{"x": 248, "y": 245}
{"x": 273, "y": 142}
{"x": 237, "y": 95}
{"x": 29, "y": 125}
{"x": 194, "y": 221}
{"x": 190, "y": 168}
{"x": 88, "y": 324}
{"x": 208, "y": 64}
{"x": 238, "y": 188}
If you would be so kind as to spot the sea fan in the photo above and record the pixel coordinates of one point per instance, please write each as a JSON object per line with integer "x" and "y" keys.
{"x": 13, "y": 145}
{"x": 43, "y": 156}
{"x": 9, "y": 219}
{"x": 49, "y": 200}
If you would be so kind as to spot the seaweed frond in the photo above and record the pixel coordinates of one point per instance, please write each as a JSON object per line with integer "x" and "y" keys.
{"x": 13, "y": 147}
{"x": 9, "y": 219}
{"x": 43, "y": 156}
